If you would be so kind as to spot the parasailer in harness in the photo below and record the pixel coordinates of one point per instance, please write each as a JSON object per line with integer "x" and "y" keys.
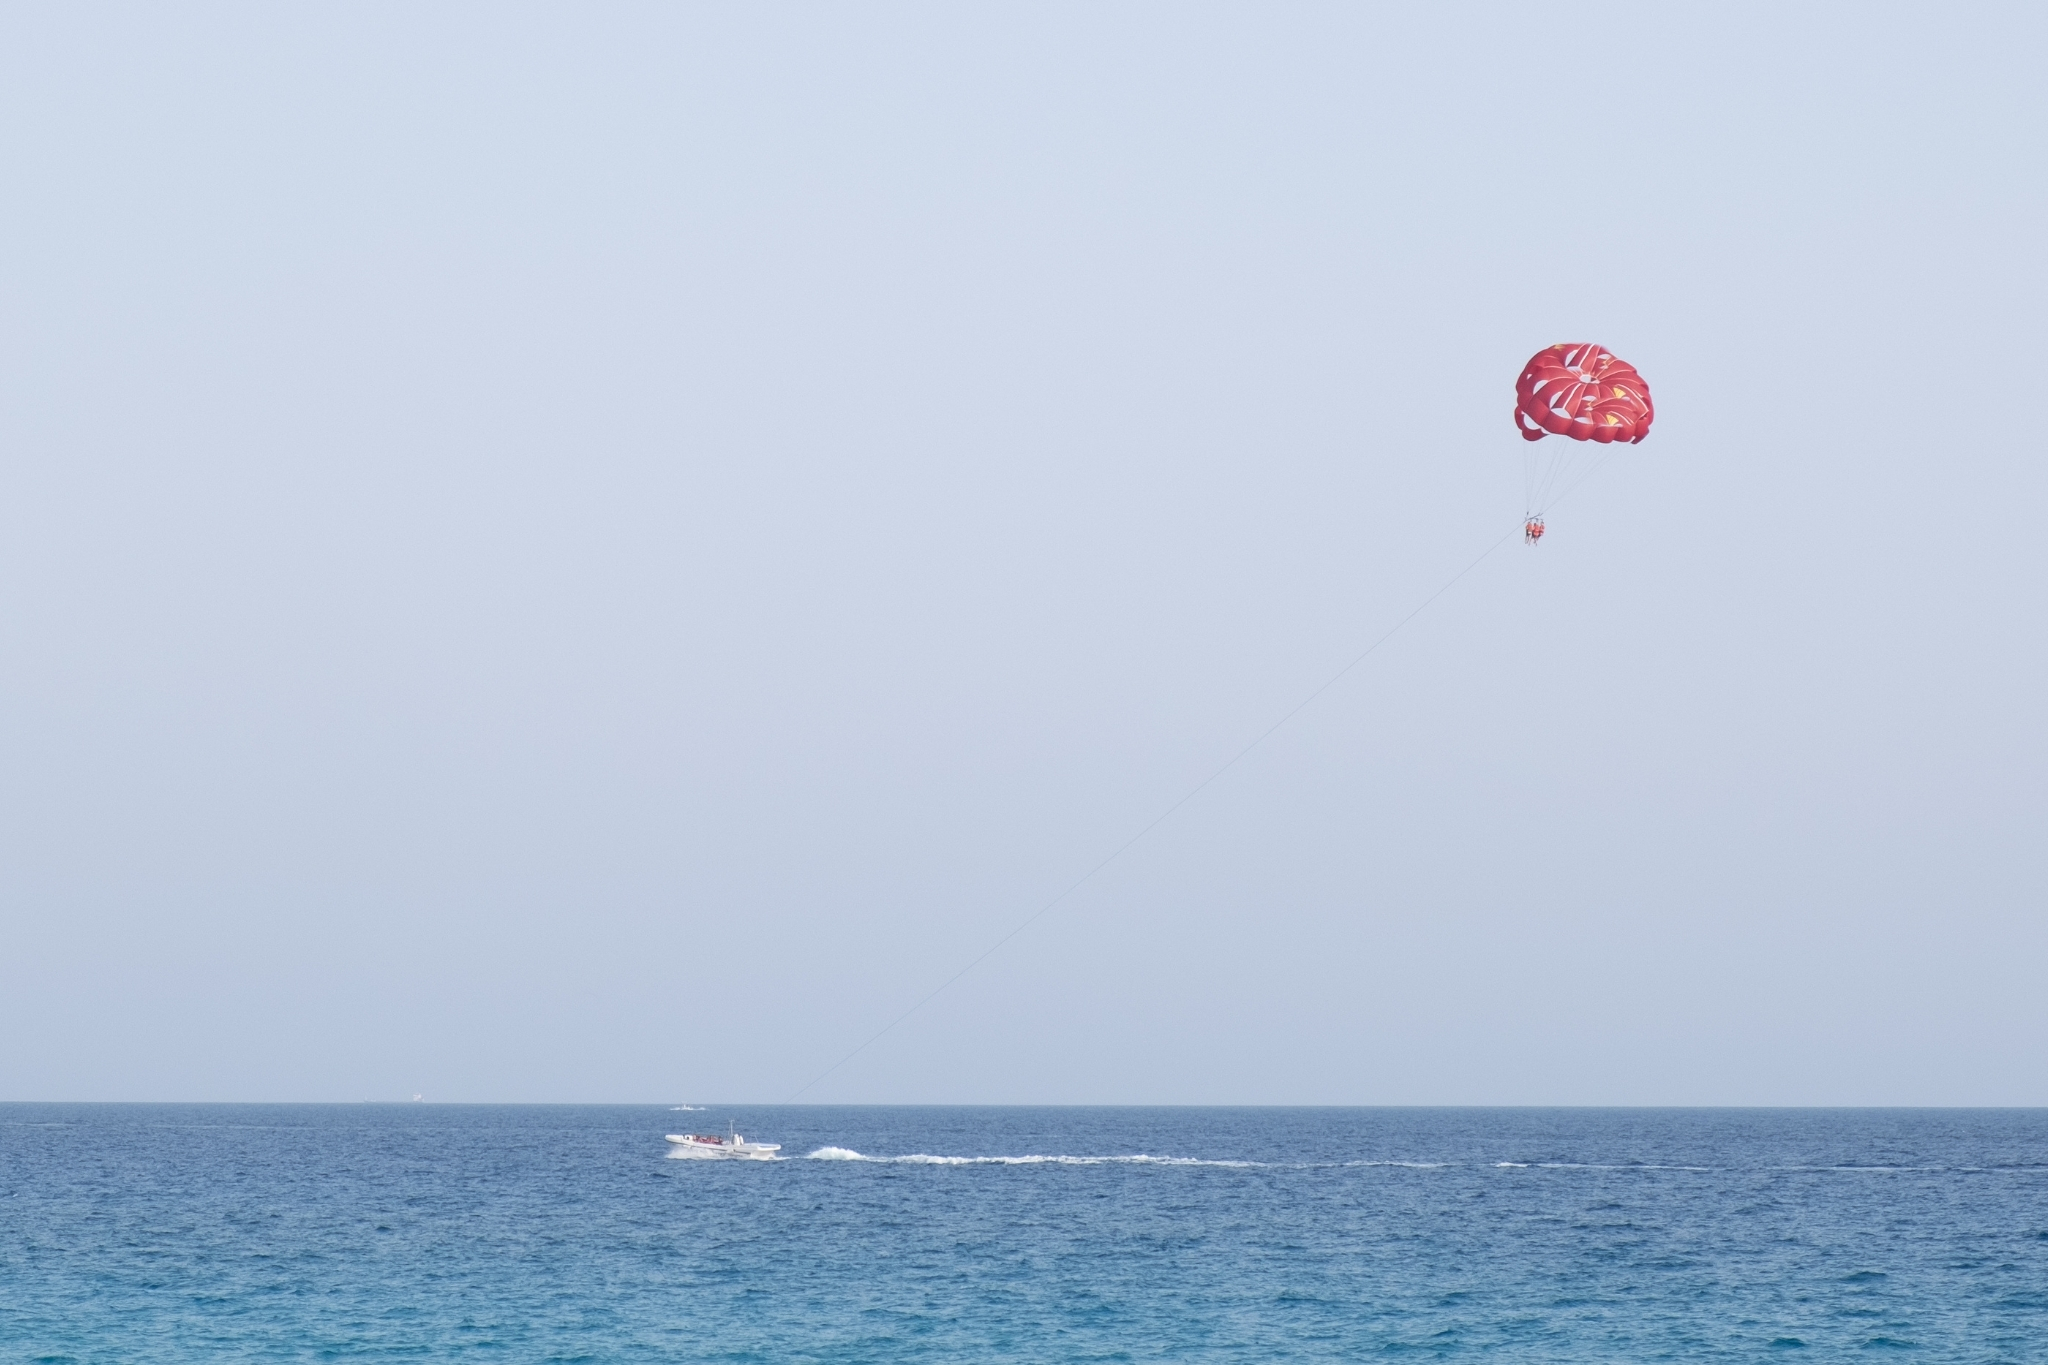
{"x": 1532, "y": 530}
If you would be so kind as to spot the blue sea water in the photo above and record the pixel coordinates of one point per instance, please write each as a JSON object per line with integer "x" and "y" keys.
{"x": 171, "y": 1233}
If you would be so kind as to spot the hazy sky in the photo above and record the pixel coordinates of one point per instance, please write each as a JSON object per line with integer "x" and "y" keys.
{"x": 599, "y": 552}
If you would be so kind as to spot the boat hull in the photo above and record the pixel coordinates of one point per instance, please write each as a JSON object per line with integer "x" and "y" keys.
{"x": 694, "y": 1147}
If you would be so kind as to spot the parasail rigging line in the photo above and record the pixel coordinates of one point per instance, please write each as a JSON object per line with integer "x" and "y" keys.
{"x": 1164, "y": 815}
{"x": 1573, "y": 484}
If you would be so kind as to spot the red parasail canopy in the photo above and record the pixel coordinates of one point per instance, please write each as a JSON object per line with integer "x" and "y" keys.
{"x": 1579, "y": 390}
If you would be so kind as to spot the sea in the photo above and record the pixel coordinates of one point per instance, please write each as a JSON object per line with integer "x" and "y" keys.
{"x": 421, "y": 1232}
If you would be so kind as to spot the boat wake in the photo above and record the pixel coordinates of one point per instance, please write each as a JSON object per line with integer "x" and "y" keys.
{"x": 1146, "y": 1159}
{"x": 1135, "y": 1159}
{"x": 925, "y": 1159}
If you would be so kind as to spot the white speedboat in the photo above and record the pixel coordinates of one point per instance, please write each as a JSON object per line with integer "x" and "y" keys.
{"x": 732, "y": 1145}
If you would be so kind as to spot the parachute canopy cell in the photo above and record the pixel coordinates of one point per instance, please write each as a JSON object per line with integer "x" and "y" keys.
{"x": 1583, "y": 391}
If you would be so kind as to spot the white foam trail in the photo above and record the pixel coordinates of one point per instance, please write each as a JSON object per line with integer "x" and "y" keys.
{"x": 686, "y": 1109}
{"x": 1145, "y": 1159}
{"x": 927, "y": 1159}
{"x": 1879, "y": 1170}
{"x": 1598, "y": 1166}
{"x": 1405, "y": 1165}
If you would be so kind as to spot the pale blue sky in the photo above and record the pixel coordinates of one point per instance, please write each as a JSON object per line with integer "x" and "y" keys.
{"x": 597, "y": 552}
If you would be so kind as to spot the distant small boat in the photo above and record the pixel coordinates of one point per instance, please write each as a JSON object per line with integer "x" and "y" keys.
{"x": 731, "y": 1146}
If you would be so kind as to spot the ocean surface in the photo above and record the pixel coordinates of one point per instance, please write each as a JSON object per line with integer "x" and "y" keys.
{"x": 171, "y": 1233}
